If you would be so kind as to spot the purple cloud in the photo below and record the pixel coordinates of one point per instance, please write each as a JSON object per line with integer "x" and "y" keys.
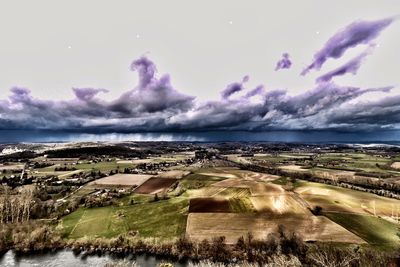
{"x": 155, "y": 105}
{"x": 284, "y": 63}
{"x": 351, "y": 66}
{"x": 146, "y": 70}
{"x": 259, "y": 90}
{"x": 359, "y": 32}
{"x": 86, "y": 94}
{"x": 234, "y": 88}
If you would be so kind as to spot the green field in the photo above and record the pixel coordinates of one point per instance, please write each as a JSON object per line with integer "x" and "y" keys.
{"x": 100, "y": 166}
{"x": 374, "y": 230}
{"x": 195, "y": 181}
{"x": 240, "y": 205}
{"x": 163, "y": 220}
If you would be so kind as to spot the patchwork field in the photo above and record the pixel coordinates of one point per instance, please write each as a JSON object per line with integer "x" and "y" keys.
{"x": 225, "y": 201}
{"x": 256, "y": 188}
{"x": 123, "y": 179}
{"x": 234, "y": 225}
{"x": 155, "y": 185}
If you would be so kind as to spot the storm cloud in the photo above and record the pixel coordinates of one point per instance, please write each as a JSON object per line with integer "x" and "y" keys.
{"x": 155, "y": 105}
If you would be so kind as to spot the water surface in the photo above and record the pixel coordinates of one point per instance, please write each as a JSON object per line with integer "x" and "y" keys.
{"x": 66, "y": 258}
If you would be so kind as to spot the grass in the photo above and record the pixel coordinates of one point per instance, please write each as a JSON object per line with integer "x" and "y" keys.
{"x": 282, "y": 181}
{"x": 164, "y": 219}
{"x": 195, "y": 181}
{"x": 241, "y": 205}
{"x": 71, "y": 220}
{"x": 374, "y": 230}
{"x": 135, "y": 199}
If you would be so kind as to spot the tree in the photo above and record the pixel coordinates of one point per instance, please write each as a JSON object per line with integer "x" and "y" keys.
{"x": 317, "y": 210}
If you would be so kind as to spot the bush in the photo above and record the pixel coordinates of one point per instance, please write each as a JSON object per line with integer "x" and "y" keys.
{"x": 317, "y": 210}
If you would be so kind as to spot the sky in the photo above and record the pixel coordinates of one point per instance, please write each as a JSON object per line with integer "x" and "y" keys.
{"x": 131, "y": 66}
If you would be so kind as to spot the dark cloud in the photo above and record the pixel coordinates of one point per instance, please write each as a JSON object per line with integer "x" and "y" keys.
{"x": 359, "y": 32}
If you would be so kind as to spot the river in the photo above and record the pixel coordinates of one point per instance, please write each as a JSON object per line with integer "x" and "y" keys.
{"x": 66, "y": 258}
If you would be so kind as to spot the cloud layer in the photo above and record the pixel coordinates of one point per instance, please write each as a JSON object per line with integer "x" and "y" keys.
{"x": 155, "y": 105}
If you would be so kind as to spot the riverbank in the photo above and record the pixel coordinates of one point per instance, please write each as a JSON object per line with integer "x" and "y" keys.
{"x": 285, "y": 247}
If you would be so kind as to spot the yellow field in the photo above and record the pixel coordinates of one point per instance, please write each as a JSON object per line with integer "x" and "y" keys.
{"x": 11, "y": 167}
{"x": 256, "y": 188}
{"x": 234, "y": 225}
{"x": 293, "y": 168}
{"x": 175, "y": 174}
{"x": 218, "y": 174}
{"x": 336, "y": 199}
{"x": 278, "y": 204}
{"x": 396, "y": 165}
{"x": 205, "y": 191}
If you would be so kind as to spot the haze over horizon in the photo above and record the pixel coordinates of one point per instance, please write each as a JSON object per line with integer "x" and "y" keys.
{"x": 338, "y": 76}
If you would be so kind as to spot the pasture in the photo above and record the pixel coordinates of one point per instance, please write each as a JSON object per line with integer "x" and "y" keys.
{"x": 374, "y": 230}
{"x": 163, "y": 220}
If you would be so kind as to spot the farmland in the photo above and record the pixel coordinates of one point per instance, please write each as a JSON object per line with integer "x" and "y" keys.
{"x": 123, "y": 179}
{"x": 343, "y": 198}
{"x": 155, "y": 185}
{"x": 234, "y": 225}
{"x": 145, "y": 218}
{"x": 233, "y": 202}
{"x": 336, "y": 199}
